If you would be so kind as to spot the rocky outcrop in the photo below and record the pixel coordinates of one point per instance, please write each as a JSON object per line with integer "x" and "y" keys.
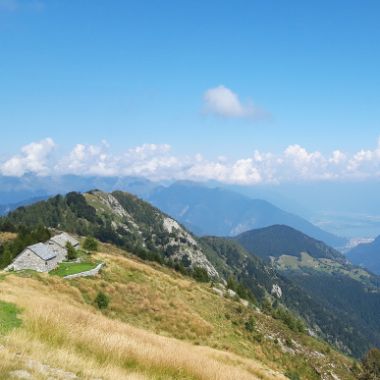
{"x": 276, "y": 291}
{"x": 187, "y": 247}
{"x": 148, "y": 228}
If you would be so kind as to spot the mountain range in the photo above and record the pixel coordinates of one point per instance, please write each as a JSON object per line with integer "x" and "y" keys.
{"x": 202, "y": 209}
{"x": 220, "y": 212}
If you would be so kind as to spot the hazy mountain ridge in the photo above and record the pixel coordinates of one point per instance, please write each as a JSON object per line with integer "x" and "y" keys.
{"x": 19, "y": 189}
{"x": 220, "y": 212}
{"x": 366, "y": 255}
{"x": 205, "y": 210}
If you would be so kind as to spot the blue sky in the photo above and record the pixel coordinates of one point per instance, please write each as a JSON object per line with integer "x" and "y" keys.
{"x": 138, "y": 72}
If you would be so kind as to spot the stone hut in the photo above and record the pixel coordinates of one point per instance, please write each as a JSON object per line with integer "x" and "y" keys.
{"x": 37, "y": 257}
{"x": 58, "y": 245}
{"x": 43, "y": 257}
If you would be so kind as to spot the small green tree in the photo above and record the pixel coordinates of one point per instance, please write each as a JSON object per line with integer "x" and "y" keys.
{"x": 90, "y": 244}
{"x": 292, "y": 375}
{"x": 250, "y": 324}
{"x": 6, "y": 257}
{"x": 72, "y": 253}
{"x": 371, "y": 365}
{"x": 200, "y": 274}
{"x": 186, "y": 262}
{"x": 232, "y": 283}
{"x": 266, "y": 306}
{"x": 102, "y": 300}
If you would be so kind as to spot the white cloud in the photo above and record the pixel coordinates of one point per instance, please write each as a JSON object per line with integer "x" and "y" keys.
{"x": 33, "y": 158}
{"x": 222, "y": 101}
{"x": 88, "y": 159}
{"x": 337, "y": 157}
{"x": 157, "y": 162}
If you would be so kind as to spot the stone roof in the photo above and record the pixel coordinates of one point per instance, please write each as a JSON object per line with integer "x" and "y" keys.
{"x": 43, "y": 251}
{"x": 64, "y": 238}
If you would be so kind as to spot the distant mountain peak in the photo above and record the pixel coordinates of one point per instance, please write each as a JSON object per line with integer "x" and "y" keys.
{"x": 278, "y": 240}
{"x": 366, "y": 255}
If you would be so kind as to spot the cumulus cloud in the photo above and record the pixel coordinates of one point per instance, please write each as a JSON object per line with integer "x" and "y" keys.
{"x": 145, "y": 160}
{"x": 88, "y": 159}
{"x": 33, "y": 158}
{"x": 157, "y": 162}
{"x": 222, "y": 101}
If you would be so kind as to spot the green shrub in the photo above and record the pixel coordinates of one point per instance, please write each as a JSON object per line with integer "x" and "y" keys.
{"x": 250, "y": 324}
{"x": 289, "y": 319}
{"x": 292, "y": 375}
{"x": 102, "y": 300}
{"x": 200, "y": 274}
{"x": 90, "y": 244}
{"x": 371, "y": 365}
{"x": 72, "y": 253}
{"x": 289, "y": 342}
{"x": 258, "y": 337}
{"x": 186, "y": 262}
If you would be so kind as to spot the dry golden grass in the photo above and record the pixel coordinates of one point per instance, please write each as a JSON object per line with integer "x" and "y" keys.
{"x": 61, "y": 331}
{"x": 160, "y": 304}
{"x": 7, "y": 236}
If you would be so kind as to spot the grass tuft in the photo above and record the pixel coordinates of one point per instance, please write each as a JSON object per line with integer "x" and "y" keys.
{"x": 8, "y": 317}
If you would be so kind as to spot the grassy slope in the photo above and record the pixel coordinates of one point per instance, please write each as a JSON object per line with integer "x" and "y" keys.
{"x": 323, "y": 265}
{"x": 158, "y": 325}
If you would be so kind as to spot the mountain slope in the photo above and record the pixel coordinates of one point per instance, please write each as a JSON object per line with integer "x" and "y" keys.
{"x": 323, "y": 317}
{"x": 280, "y": 240}
{"x": 120, "y": 218}
{"x": 135, "y": 226}
{"x": 215, "y": 211}
{"x": 366, "y": 255}
{"x": 349, "y": 294}
{"x": 158, "y": 325}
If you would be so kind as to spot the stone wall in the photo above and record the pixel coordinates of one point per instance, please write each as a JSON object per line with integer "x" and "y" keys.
{"x": 91, "y": 272}
{"x": 29, "y": 260}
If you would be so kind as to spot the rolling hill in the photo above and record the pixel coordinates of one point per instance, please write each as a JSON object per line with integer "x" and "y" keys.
{"x": 278, "y": 240}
